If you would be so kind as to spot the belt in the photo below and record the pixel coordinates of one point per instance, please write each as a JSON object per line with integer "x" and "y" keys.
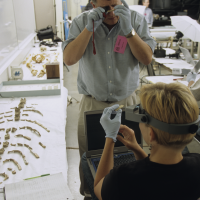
{"x": 101, "y": 101}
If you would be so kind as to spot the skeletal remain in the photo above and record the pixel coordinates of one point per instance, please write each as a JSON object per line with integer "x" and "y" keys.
{"x": 5, "y": 144}
{"x": 16, "y": 163}
{"x": 24, "y": 114}
{"x": 0, "y": 157}
{"x": 22, "y": 127}
{"x": 17, "y": 110}
{"x": 35, "y": 154}
{"x": 7, "y": 136}
{"x": 31, "y": 129}
{"x": 17, "y": 114}
{"x": 23, "y": 156}
{"x": 1, "y": 113}
{"x": 5, "y": 176}
{"x": 34, "y": 104}
{"x": 29, "y": 107}
{"x": 8, "y": 112}
{"x": 26, "y": 145}
{"x": 43, "y": 48}
{"x": 17, "y": 118}
{"x": 34, "y": 72}
{"x": 20, "y": 135}
{"x": 8, "y": 116}
{"x": 29, "y": 65}
{"x": 42, "y": 145}
{"x": 21, "y": 105}
{"x": 2, "y": 129}
{"x": 37, "y": 111}
{"x": 38, "y": 58}
{"x": 14, "y": 172}
{"x": 35, "y": 122}
{"x": 0, "y": 182}
{"x": 42, "y": 72}
{"x": 10, "y": 169}
{"x": 13, "y": 129}
{"x": 20, "y": 144}
{"x": 13, "y": 144}
{"x": 9, "y": 120}
{"x": 23, "y": 100}
{"x": 23, "y": 120}
{"x": 2, "y": 151}
{"x": 8, "y": 130}
{"x": 2, "y": 122}
{"x": 24, "y": 62}
{"x": 1, "y": 117}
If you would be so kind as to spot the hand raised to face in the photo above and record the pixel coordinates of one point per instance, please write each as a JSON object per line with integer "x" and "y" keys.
{"x": 124, "y": 14}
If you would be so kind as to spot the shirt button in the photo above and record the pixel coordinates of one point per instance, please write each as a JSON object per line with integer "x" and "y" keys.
{"x": 108, "y": 52}
{"x": 109, "y": 67}
{"x": 110, "y": 81}
{"x": 110, "y": 94}
{"x": 108, "y": 38}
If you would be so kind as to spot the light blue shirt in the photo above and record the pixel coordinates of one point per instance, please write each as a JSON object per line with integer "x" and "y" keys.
{"x": 108, "y": 76}
{"x": 148, "y": 16}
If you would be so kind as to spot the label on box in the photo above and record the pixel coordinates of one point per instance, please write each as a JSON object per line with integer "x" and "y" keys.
{"x": 176, "y": 71}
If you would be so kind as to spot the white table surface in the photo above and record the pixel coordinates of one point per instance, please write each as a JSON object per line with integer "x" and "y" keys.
{"x": 173, "y": 63}
{"x": 53, "y": 158}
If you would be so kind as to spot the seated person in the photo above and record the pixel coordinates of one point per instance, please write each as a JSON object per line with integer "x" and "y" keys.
{"x": 163, "y": 174}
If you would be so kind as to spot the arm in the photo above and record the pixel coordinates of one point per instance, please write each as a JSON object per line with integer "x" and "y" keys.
{"x": 72, "y": 54}
{"x": 130, "y": 142}
{"x": 140, "y": 49}
{"x": 75, "y": 49}
{"x": 105, "y": 165}
{"x": 111, "y": 128}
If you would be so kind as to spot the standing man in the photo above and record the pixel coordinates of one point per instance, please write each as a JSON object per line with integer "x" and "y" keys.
{"x": 148, "y": 12}
{"x": 122, "y": 40}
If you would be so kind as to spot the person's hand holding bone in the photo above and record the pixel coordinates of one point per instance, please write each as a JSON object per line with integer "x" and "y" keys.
{"x": 95, "y": 15}
{"x": 124, "y": 14}
{"x": 111, "y": 126}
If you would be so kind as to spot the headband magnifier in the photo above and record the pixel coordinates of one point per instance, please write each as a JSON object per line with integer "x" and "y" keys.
{"x": 137, "y": 114}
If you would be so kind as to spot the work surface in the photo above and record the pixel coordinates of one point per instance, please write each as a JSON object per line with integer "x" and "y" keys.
{"x": 53, "y": 158}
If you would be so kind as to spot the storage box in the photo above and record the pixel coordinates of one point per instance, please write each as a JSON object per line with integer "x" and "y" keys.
{"x": 9, "y": 89}
{"x": 53, "y": 70}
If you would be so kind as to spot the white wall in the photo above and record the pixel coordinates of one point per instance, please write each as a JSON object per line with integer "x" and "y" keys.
{"x": 59, "y": 19}
{"x": 44, "y": 14}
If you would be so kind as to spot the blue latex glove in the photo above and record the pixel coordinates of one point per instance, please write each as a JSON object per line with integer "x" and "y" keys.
{"x": 124, "y": 14}
{"x": 111, "y": 126}
{"x": 191, "y": 76}
{"x": 95, "y": 14}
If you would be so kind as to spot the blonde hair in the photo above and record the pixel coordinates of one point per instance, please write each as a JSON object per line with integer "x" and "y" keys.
{"x": 170, "y": 103}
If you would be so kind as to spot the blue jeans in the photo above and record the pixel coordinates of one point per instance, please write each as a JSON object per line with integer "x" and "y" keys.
{"x": 88, "y": 176}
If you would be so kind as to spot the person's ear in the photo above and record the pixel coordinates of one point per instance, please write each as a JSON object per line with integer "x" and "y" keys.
{"x": 93, "y": 5}
{"x": 152, "y": 135}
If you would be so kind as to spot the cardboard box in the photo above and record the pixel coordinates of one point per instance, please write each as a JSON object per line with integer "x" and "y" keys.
{"x": 53, "y": 70}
